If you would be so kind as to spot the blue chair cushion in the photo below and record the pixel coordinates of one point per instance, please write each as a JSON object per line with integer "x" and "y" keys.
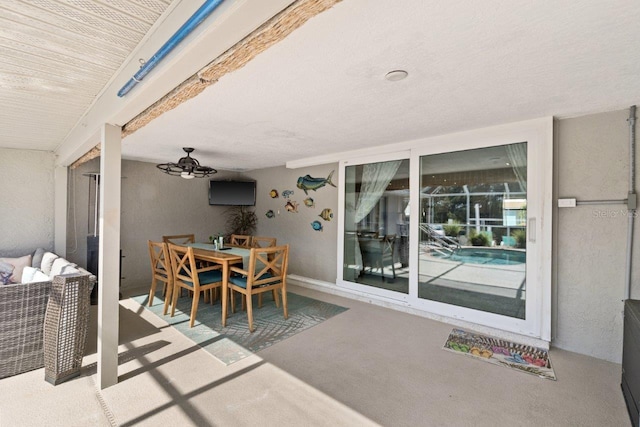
{"x": 207, "y": 277}
{"x": 242, "y": 280}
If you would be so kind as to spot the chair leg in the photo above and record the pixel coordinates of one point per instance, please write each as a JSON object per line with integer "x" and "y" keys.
{"x": 233, "y": 300}
{"x": 275, "y": 297}
{"x": 152, "y": 292}
{"x": 284, "y": 303}
{"x": 194, "y": 308}
{"x": 167, "y": 298}
{"x": 260, "y": 300}
{"x": 250, "y": 312}
{"x": 174, "y": 299}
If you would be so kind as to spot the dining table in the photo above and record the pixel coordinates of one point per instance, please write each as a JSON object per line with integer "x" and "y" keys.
{"x": 225, "y": 257}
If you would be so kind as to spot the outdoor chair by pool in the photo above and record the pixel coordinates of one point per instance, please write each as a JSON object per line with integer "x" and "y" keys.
{"x": 378, "y": 253}
{"x": 187, "y": 275}
{"x": 267, "y": 272}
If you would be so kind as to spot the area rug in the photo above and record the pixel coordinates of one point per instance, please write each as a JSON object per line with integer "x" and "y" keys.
{"x": 525, "y": 358}
{"x": 234, "y": 342}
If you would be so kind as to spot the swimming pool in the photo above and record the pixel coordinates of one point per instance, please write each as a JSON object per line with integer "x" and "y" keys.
{"x": 486, "y": 256}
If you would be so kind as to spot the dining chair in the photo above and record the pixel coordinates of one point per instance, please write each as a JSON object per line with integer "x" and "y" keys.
{"x": 263, "y": 242}
{"x": 240, "y": 240}
{"x": 188, "y": 275}
{"x": 160, "y": 271}
{"x": 267, "y": 271}
{"x": 180, "y": 239}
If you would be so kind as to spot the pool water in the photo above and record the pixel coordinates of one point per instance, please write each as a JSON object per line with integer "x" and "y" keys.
{"x": 487, "y": 256}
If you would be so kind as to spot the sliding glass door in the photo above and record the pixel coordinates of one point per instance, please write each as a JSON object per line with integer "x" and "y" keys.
{"x": 458, "y": 226}
{"x": 473, "y": 227}
{"x": 376, "y": 223}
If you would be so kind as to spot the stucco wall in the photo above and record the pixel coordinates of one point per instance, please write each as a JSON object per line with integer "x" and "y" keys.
{"x": 153, "y": 204}
{"x": 312, "y": 253}
{"x": 26, "y": 210}
{"x": 592, "y": 164}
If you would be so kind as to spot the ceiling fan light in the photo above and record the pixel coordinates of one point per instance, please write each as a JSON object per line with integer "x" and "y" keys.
{"x": 187, "y": 167}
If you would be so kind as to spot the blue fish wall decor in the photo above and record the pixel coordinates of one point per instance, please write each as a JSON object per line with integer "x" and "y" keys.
{"x": 287, "y": 194}
{"x": 307, "y": 182}
{"x": 316, "y": 225}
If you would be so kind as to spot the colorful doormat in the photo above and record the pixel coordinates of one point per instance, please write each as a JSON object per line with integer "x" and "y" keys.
{"x": 234, "y": 342}
{"x": 525, "y": 358}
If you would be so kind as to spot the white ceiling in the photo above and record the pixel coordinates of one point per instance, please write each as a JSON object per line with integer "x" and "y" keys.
{"x": 471, "y": 64}
{"x": 56, "y": 56}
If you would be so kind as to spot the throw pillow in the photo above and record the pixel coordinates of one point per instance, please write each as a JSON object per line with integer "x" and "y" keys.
{"x": 47, "y": 262}
{"x": 61, "y": 266}
{"x": 6, "y": 270}
{"x": 33, "y": 275}
{"x": 37, "y": 257}
{"x": 39, "y": 276}
{"x": 27, "y": 274}
{"x": 18, "y": 265}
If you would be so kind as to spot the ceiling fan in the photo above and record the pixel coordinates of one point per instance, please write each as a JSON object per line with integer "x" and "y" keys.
{"x": 187, "y": 167}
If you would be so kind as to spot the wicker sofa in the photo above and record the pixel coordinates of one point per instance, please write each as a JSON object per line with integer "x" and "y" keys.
{"x": 24, "y": 317}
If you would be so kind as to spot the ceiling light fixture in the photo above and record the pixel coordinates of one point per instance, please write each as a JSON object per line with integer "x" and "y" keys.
{"x": 396, "y": 75}
{"x": 187, "y": 167}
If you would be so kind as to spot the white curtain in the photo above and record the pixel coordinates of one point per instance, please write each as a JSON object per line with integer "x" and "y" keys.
{"x": 518, "y": 158}
{"x": 375, "y": 180}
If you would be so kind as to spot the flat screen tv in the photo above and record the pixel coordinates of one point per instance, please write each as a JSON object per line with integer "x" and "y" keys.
{"x": 232, "y": 193}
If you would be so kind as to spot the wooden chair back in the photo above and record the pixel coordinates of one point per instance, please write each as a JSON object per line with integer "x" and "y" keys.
{"x": 187, "y": 275}
{"x": 263, "y": 242}
{"x": 160, "y": 269}
{"x": 240, "y": 240}
{"x": 180, "y": 239}
{"x": 267, "y": 272}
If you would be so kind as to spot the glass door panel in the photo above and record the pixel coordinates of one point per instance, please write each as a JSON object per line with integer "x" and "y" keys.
{"x": 472, "y": 229}
{"x": 376, "y": 225}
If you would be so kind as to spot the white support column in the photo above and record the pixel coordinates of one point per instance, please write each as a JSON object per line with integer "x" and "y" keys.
{"x": 60, "y": 211}
{"x": 109, "y": 258}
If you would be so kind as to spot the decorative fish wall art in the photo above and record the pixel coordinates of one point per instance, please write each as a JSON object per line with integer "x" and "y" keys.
{"x": 291, "y": 206}
{"x": 273, "y": 194}
{"x": 307, "y": 182}
{"x": 270, "y": 214}
{"x": 326, "y": 214}
{"x": 308, "y": 202}
{"x": 287, "y": 194}
{"x": 316, "y": 225}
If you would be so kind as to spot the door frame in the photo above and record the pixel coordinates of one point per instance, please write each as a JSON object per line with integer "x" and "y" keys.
{"x": 538, "y": 134}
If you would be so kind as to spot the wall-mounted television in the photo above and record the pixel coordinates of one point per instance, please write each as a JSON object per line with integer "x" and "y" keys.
{"x": 232, "y": 193}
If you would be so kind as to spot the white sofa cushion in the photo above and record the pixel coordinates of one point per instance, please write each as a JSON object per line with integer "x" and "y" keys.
{"x": 33, "y": 275}
{"x": 62, "y": 266}
{"x": 47, "y": 262}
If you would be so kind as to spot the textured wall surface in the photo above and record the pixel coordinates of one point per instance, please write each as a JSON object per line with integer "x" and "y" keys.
{"x": 592, "y": 164}
{"x": 26, "y": 209}
{"x": 153, "y": 204}
{"x": 312, "y": 253}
